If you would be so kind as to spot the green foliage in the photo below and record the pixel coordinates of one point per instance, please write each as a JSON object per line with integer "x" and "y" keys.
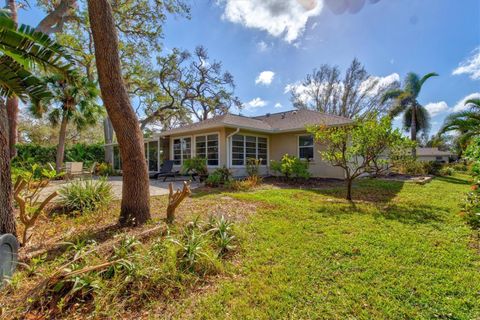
{"x": 446, "y": 171}
{"x": 196, "y": 165}
{"x": 222, "y": 229}
{"x": 471, "y": 207}
{"x": 104, "y": 169}
{"x": 245, "y": 184}
{"x": 219, "y": 177}
{"x": 472, "y": 153}
{"x": 29, "y": 154}
{"x": 85, "y": 195}
{"x": 253, "y": 167}
{"x": 290, "y": 167}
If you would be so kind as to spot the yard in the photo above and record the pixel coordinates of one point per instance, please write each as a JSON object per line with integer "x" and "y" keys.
{"x": 400, "y": 251}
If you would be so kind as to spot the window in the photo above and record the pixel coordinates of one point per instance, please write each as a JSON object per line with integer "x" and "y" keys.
{"x": 245, "y": 147}
{"x": 305, "y": 147}
{"x": 207, "y": 147}
{"x": 182, "y": 149}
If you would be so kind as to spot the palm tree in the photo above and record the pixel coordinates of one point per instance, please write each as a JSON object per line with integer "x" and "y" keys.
{"x": 466, "y": 123}
{"x": 415, "y": 116}
{"x": 22, "y": 52}
{"x": 73, "y": 103}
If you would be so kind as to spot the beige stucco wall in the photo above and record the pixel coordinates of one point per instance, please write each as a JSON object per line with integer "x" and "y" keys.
{"x": 278, "y": 145}
{"x": 283, "y": 143}
{"x": 432, "y": 158}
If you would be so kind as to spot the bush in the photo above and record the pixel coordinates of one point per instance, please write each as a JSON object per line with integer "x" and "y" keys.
{"x": 245, "y": 184}
{"x": 459, "y": 167}
{"x": 446, "y": 171}
{"x": 85, "y": 195}
{"x": 219, "y": 177}
{"x": 253, "y": 167}
{"x": 195, "y": 165}
{"x": 104, "y": 169}
{"x": 471, "y": 206}
{"x": 432, "y": 167}
{"x": 290, "y": 166}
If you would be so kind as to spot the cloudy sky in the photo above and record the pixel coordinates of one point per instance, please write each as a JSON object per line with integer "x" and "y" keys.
{"x": 270, "y": 45}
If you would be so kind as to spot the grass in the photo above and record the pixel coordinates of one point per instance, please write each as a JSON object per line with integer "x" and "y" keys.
{"x": 400, "y": 251}
{"x": 312, "y": 255}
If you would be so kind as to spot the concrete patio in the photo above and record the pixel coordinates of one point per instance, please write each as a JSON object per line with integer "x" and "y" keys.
{"x": 157, "y": 187}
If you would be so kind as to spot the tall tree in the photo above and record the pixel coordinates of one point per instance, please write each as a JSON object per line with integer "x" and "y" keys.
{"x": 415, "y": 117}
{"x": 71, "y": 103}
{"x": 356, "y": 95}
{"x": 188, "y": 85}
{"x": 466, "y": 123}
{"x": 21, "y": 51}
{"x": 12, "y": 102}
{"x": 135, "y": 205}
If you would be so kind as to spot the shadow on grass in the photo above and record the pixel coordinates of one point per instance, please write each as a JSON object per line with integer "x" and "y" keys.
{"x": 452, "y": 180}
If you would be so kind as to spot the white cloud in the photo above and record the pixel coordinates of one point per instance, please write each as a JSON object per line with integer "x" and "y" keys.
{"x": 262, "y": 46}
{"x": 435, "y": 108}
{"x": 470, "y": 66}
{"x": 255, "y": 103}
{"x": 280, "y": 18}
{"x": 460, "y": 106}
{"x": 265, "y": 78}
{"x": 278, "y": 105}
{"x": 373, "y": 85}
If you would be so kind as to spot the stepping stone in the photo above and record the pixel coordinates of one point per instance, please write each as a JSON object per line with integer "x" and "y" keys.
{"x": 8, "y": 256}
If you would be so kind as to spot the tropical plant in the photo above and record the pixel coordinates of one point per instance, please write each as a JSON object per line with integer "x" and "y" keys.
{"x": 85, "y": 195}
{"x": 415, "y": 117}
{"x": 71, "y": 103}
{"x": 466, "y": 123}
{"x": 196, "y": 164}
{"x": 221, "y": 229}
{"x": 290, "y": 166}
{"x": 359, "y": 148}
{"x": 23, "y": 52}
{"x": 253, "y": 167}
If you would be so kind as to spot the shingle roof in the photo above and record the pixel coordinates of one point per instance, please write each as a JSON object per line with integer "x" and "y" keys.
{"x": 432, "y": 152}
{"x": 276, "y": 122}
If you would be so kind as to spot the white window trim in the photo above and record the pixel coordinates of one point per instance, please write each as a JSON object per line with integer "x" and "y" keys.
{"x": 194, "y": 150}
{"x": 230, "y": 144}
{"x": 298, "y": 146}
{"x": 181, "y": 153}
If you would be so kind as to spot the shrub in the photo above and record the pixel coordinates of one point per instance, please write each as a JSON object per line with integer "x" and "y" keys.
{"x": 460, "y": 167}
{"x": 253, "y": 167}
{"x": 446, "y": 171}
{"x": 219, "y": 177}
{"x": 471, "y": 206}
{"x": 104, "y": 169}
{"x": 85, "y": 195}
{"x": 197, "y": 165}
{"x": 290, "y": 166}
{"x": 245, "y": 184}
{"x": 432, "y": 167}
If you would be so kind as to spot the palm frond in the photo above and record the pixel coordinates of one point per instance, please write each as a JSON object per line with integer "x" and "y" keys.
{"x": 426, "y": 77}
{"x": 391, "y": 94}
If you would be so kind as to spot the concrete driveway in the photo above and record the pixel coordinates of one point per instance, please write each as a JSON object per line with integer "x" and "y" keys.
{"x": 157, "y": 187}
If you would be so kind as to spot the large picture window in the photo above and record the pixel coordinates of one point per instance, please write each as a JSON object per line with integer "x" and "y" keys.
{"x": 305, "y": 147}
{"x": 245, "y": 147}
{"x": 182, "y": 149}
{"x": 207, "y": 147}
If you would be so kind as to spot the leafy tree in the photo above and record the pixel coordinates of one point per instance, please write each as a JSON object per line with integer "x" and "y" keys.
{"x": 72, "y": 103}
{"x": 135, "y": 204}
{"x": 357, "y": 94}
{"x": 21, "y": 51}
{"x": 187, "y": 84}
{"x": 465, "y": 123}
{"x": 415, "y": 116}
{"x": 361, "y": 147}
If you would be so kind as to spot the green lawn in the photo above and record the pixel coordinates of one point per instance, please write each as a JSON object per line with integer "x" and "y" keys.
{"x": 401, "y": 252}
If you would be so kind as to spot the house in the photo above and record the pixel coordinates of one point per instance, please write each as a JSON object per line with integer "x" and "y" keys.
{"x": 229, "y": 139}
{"x": 433, "y": 154}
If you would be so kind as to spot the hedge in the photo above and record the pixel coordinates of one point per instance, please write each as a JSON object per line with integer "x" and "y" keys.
{"x": 33, "y": 153}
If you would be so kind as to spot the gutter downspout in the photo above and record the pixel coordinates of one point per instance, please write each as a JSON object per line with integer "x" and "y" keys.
{"x": 228, "y": 145}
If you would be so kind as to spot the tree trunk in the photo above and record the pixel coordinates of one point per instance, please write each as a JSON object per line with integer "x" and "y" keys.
{"x": 7, "y": 218}
{"x": 349, "y": 189}
{"x": 61, "y": 143}
{"x": 135, "y": 206}
{"x": 108, "y": 135}
{"x": 413, "y": 130}
{"x": 12, "y": 102}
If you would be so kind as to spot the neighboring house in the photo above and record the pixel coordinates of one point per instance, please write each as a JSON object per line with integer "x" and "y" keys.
{"x": 228, "y": 140}
{"x": 433, "y": 154}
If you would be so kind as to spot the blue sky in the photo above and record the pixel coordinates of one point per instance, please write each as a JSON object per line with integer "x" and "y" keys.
{"x": 291, "y": 37}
